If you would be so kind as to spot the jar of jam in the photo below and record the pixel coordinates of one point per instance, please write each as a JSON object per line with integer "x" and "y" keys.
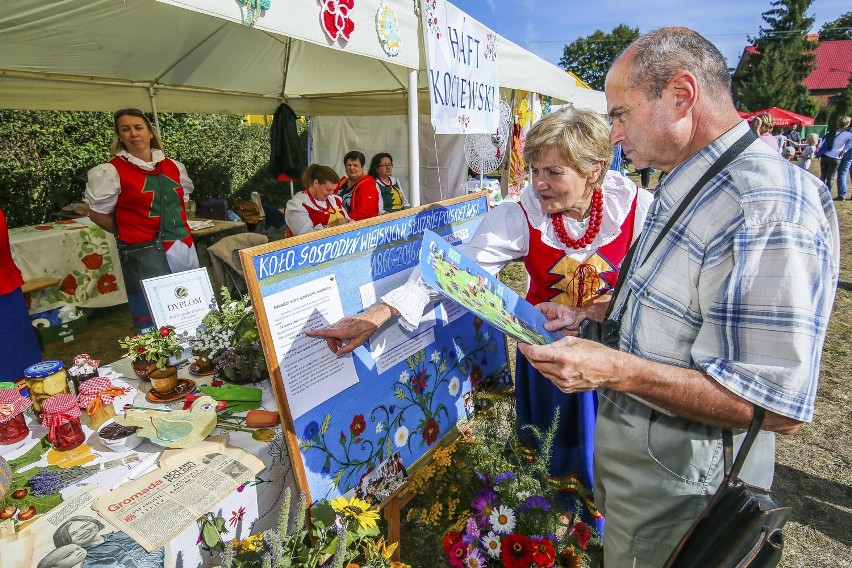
{"x": 96, "y": 397}
{"x": 44, "y": 380}
{"x": 13, "y": 425}
{"x": 82, "y": 368}
{"x": 61, "y": 416}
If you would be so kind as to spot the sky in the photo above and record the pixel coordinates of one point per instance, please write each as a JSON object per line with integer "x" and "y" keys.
{"x": 546, "y": 27}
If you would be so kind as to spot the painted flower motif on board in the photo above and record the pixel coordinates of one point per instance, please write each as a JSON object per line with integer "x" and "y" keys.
{"x": 336, "y": 19}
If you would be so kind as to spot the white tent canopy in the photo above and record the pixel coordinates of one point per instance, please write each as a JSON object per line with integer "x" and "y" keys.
{"x": 198, "y": 56}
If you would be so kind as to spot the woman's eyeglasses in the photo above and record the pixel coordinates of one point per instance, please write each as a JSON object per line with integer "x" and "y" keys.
{"x": 127, "y": 111}
{"x": 385, "y": 165}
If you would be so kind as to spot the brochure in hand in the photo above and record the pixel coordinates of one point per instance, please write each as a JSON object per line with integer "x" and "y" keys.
{"x": 460, "y": 279}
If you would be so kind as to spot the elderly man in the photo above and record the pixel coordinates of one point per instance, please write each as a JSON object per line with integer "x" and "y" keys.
{"x": 729, "y": 310}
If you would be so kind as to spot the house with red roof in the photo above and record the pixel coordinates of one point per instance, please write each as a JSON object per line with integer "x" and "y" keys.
{"x": 832, "y": 70}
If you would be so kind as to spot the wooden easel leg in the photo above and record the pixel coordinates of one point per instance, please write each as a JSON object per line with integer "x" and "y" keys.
{"x": 391, "y": 513}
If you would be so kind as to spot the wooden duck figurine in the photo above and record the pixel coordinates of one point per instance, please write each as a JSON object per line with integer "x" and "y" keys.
{"x": 175, "y": 429}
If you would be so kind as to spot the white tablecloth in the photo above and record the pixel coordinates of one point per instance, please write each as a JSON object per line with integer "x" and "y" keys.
{"x": 251, "y": 509}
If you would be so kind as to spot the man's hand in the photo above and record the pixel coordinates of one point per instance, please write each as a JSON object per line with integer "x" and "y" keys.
{"x": 574, "y": 364}
{"x": 348, "y": 333}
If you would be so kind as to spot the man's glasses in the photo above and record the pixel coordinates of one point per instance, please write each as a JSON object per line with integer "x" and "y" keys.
{"x": 126, "y": 111}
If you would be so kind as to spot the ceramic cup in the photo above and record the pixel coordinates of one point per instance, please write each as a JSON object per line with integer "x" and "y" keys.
{"x": 164, "y": 385}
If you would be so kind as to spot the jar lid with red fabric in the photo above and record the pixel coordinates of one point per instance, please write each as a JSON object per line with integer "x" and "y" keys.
{"x": 59, "y": 409}
{"x": 12, "y": 404}
{"x": 98, "y": 390}
{"x": 83, "y": 364}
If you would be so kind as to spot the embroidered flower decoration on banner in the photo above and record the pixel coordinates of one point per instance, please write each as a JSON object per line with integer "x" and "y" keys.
{"x": 387, "y": 28}
{"x": 336, "y": 19}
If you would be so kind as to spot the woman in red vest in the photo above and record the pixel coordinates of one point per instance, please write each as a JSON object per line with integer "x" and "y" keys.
{"x": 126, "y": 194}
{"x": 316, "y": 207}
{"x": 572, "y": 228}
{"x": 358, "y": 190}
{"x": 18, "y": 344}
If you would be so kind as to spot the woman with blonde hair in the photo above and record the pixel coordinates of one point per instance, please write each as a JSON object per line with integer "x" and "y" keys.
{"x": 140, "y": 197}
{"x": 764, "y": 129}
{"x": 572, "y": 228}
{"x": 808, "y": 151}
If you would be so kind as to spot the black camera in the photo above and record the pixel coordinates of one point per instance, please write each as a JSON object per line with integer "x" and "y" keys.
{"x": 605, "y": 332}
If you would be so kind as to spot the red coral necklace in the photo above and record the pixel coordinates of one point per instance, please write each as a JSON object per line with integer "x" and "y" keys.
{"x": 595, "y": 216}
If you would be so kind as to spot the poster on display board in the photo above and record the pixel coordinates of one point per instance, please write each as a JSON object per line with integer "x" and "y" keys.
{"x": 461, "y": 56}
{"x": 398, "y": 395}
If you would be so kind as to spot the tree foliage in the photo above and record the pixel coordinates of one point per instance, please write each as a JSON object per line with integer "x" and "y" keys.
{"x": 590, "y": 57}
{"x": 45, "y": 155}
{"x": 841, "y": 28}
{"x": 785, "y": 58}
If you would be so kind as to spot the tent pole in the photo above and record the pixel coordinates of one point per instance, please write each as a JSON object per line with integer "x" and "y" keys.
{"x": 413, "y": 139}
{"x": 154, "y": 110}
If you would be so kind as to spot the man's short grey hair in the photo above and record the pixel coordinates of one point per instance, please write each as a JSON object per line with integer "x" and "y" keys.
{"x": 661, "y": 53}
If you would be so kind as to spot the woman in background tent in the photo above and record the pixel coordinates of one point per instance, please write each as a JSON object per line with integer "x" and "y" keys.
{"x": 18, "y": 344}
{"x": 315, "y": 207}
{"x": 138, "y": 195}
{"x": 358, "y": 190}
{"x": 572, "y": 228}
{"x": 393, "y": 198}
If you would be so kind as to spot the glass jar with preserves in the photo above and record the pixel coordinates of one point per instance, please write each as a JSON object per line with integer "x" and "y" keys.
{"x": 44, "y": 380}
{"x": 61, "y": 416}
{"x": 82, "y": 368}
{"x": 96, "y": 397}
{"x": 13, "y": 425}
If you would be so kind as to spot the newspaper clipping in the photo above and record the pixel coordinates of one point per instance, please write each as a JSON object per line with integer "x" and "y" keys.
{"x": 188, "y": 483}
{"x": 72, "y": 534}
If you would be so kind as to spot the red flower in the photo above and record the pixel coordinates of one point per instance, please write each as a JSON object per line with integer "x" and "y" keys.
{"x": 43, "y": 227}
{"x": 582, "y": 532}
{"x": 475, "y": 376}
{"x": 515, "y": 551}
{"x": 542, "y": 552}
{"x": 358, "y": 425}
{"x": 93, "y": 261}
{"x": 430, "y": 431}
{"x": 66, "y": 221}
{"x": 140, "y": 350}
{"x": 336, "y": 20}
{"x": 419, "y": 382}
{"x": 68, "y": 285}
{"x": 450, "y": 540}
{"x": 107, "y": 283}
{"x": 237, "y": 516}
{"x": 165, "y": 331}
{"x": 477, "y": 323}
{"x": 457, "y": 554}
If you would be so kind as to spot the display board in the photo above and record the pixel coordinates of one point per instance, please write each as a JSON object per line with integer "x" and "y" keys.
{"x": 394, "y": 398}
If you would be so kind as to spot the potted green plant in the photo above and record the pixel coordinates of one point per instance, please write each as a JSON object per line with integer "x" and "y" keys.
{"x": 229, "y": 339}
{"x": 151, "y": 351}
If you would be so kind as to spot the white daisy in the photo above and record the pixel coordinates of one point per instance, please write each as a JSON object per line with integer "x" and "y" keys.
{"x": 502, "y": 518}
{"x": 401, "y": 437}
{"x": 403, "y": 377}
{"x": 523, "y": 495}
{"x": 436, "y": 356}
{"x": 491, "y": 544}
{"x": 454, "y": 386}
{"x": 380, "y": 427}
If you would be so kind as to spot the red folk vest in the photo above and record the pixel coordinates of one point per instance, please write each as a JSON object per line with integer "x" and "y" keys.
{"x": 137, "y": 212}
{"x": 556, "y": 277}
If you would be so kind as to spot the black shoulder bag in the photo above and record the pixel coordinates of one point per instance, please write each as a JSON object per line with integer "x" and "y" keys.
{"x": 143, "y": 260}
{"x": 741, "y": 525}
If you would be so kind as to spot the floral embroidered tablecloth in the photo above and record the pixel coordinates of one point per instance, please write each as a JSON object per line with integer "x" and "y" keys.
{"x": 78, "y": 253}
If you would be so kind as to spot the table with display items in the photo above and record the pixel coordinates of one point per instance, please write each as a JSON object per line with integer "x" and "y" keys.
{"x": 252, "y": 508}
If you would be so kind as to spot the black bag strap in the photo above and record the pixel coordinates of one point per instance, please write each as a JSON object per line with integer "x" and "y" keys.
{"x": 732, "y": 152}
{"x": 732, "y": 471}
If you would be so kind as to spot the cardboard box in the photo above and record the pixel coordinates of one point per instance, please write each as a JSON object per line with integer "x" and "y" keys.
{"x": 63, "y": 332}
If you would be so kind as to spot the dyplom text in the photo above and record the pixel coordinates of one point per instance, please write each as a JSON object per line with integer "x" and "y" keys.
{"x": 369, "y": 239}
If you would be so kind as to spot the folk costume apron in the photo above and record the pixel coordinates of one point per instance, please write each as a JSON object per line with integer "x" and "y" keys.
{"x": 138, "y": 217}
{"x": 557, "y": 277}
